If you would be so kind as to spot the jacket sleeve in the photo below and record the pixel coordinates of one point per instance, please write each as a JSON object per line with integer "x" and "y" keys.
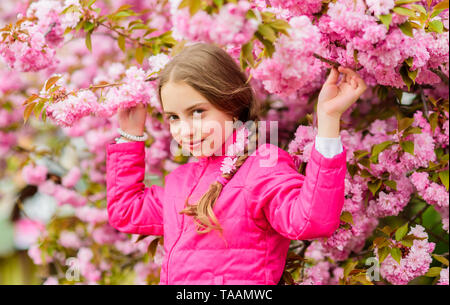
{"x": 298, "y": 207}
{"x": 132, "y": 207}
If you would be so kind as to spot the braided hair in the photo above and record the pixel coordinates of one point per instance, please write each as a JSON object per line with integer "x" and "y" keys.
{"x": 202, "y": 211}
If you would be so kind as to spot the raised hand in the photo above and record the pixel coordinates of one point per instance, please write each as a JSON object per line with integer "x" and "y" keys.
{"x": 334, "y": 98}
{"x": 132, "y": 120}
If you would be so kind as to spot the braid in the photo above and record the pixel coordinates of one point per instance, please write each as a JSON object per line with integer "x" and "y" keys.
{"x": 203, "y": 210}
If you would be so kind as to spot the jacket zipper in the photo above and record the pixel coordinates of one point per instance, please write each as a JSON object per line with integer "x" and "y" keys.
{"x": 182, "y": 224}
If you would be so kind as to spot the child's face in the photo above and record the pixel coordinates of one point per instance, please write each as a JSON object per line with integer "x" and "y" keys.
{"x": 192, "y": 118}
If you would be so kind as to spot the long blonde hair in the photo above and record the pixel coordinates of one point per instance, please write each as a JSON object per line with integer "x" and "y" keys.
{"x": 211, "y": 71}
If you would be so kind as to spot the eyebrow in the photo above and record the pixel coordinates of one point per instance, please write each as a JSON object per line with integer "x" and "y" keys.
{"x": 187, "y": 109}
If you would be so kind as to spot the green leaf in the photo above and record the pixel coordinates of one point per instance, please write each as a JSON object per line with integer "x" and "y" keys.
{"x": 401, "y": 232}
{"x": 27, "y": 112}
{"x": 408, "y": 146}
{"x": 433, "y": 118}
{"x": 167, "y": 39}
{"x": 247, "y": 55}
{"x": 419, "y": 8}
{"x": 362, "y": 278}
{"x": 88, "y": 26}
{"x": 140, "y": 55}
{"x": 281, "y": 26}
{"x": 391, "y": 183}
{"x": 123, "y": 14}
{"x": 406, "y": 28}
{"x": 401, "y": 2}
{"x": 30, "y": 99}
{"x": 412, "y": 130}
{"x": 141, "y": 237}
{"x": 407, "y": 243}
{"x": 269, "y": 47}
{"x": 383, "y": 253}
{"x": 374, "y": 186}
{"x": 436, "y": 12}
{"x": 404, "y": 11}
{"x": 37, "y": 110}
{"x": 441, "y": 5}
{"x": 444, "y": 178}
{"x": 79, "y": 25}
{"x": 404, "y": 73}
{"x": 355, "y": 55}
{"x": 267, "y": 16}
{"x": 267, "y": 32}
{"x": 378, "y": 242}
{"x": 396, "y": 254}
{"x": 91, "y": 3}
{"x": 194, "y": 5}
{"x": 51, "y": 81}
{"x": 436, "y": 26}
{"x": 412, "y": 75}
{"x": 138, "y": 26}
{"x": 349, "y": 267}
{"x": 386, "y": 20}
{"x": 219, "y": 3}
{"x": 440, "y": 259}
{"x": 152, "y": 247}
{"x": 387, "y": 230}
{"x": 347, "y": 217}
{"x": 121, "y": 42}
{"x": 404, "y": 123}
{"x": 360, "y": 154}
{"x": 88, "y": 41}
{"x": 433, "y": 272}
{"x": 44, "y": 114}
{"x": 364, "y": 162}
{"x": 378, "y": 148}
{"x": 409, "y": 61}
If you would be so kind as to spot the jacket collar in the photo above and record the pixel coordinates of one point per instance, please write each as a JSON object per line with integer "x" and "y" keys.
{"x": 214, "y": 157}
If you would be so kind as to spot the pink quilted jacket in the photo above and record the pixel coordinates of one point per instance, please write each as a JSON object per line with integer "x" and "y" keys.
{"x": 261, "y": 209}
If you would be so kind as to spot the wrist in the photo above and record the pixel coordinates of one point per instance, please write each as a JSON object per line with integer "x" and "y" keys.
{"x": 137, "y": 133}
{"x": 328, "y": 126}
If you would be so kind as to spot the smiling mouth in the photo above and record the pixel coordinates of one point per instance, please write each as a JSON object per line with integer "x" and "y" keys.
{"x": 195, "y": 143}
{"x": 192, "y": 143}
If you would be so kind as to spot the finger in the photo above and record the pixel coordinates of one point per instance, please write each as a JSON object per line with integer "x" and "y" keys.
{"x": 348, "y": 71}
{"x": 343, "y": 79}
{"x": 351, "y": 82}
{"x": 361, "y": 84}
{"x": 332, "y": 77}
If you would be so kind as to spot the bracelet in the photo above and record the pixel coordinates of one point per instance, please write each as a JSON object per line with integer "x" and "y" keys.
{"x": 122, "y": 140}
{"x": 132, "y": 137}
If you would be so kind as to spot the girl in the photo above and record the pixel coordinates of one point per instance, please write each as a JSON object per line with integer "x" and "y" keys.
{"x": 227, "y": 222}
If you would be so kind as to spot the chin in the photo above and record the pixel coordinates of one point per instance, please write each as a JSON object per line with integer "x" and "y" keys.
{"x": 201, "y": 154}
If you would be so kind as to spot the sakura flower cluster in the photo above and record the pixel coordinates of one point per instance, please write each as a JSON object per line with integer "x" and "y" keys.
{"x": 415, "y": 261}
{"x": 229, "y": 26}
{"x": 433, "y": 193}
{"x": 293, "y": 66}
{"x": 31, "y": 43}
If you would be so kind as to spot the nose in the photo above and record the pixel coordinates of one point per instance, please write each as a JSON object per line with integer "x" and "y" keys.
{"x": 187, "y": 131}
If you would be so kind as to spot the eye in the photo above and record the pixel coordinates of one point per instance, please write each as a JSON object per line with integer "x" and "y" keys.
{"x": 169, "y": 117}
{"x": 201, "y": 110}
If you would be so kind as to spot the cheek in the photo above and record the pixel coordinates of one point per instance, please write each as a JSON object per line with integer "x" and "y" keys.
{"x": 175, "y": 132}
